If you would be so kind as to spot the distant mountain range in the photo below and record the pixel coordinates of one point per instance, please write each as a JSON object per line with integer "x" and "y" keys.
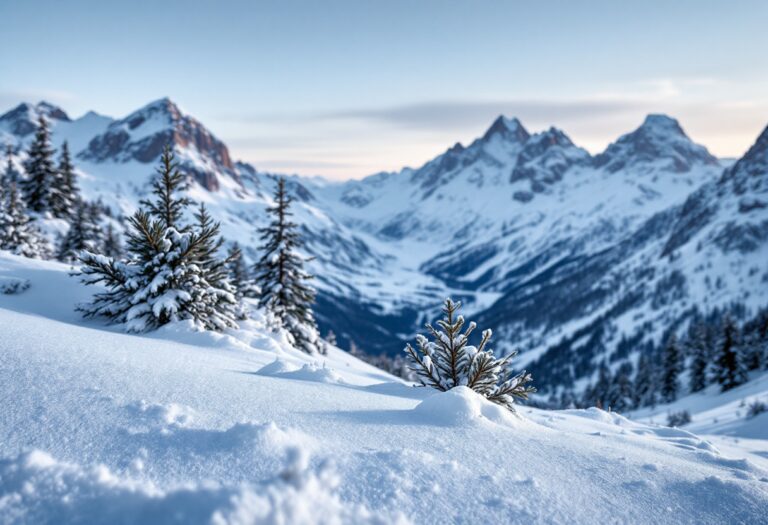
{"x": 570, "y": 258}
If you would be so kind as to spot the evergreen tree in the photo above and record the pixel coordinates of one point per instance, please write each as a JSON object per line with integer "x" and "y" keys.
{"x": 40, "y": 185}
{"x": 10, "y": 175}
{"x": 64, "y": 196}
{"x": 730, "y": 370}
{"x": 17, "y": 231}
{"x": 171, "y": 272}
{"x": 83, "y": 234}
{"x": 281, "y": 276}
{"x": 111, "y": 247}
{"x": 239, "y": 274}
{"x": 168, "y": 205}
{"x": 330, "y": 338}
{"x": 645, "y": 384}
{"x": 672, "y": 366}
{"x": 217, "y": 304}
{"x": 449, "y": 362}
{"x": 599, "y": 393}
{"x": 701, "y": 355}
{"x": 620, "y": 393}
{"x": 355, "y": 350}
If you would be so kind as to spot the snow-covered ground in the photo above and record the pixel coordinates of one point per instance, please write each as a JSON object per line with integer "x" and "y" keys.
{"x": 723, "y": 418}
{"x": 98, "y": 426}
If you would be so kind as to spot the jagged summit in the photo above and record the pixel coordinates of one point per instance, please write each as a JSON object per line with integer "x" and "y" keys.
{"x": 661, "y": 123}
{"x": 22, "y": 120}
{"x": 143, "y": 134}
{"x": 544, "y": 159}
{"x": 164, "y": 108}
{"x": 508, "y": 129}
{"x": 749, "y": 175}
{"x": 659, "y": 142}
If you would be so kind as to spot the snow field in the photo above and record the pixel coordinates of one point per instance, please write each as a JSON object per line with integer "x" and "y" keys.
{"x": 179, "y": 426}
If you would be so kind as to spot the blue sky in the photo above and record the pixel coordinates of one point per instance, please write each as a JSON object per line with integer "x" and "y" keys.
{"x": 347, "y": 88}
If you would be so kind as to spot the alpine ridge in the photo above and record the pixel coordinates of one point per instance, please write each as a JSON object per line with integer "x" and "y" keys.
{"x": 562, "y": 253}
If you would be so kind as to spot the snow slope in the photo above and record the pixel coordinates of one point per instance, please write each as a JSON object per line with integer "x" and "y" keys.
{"x": 99, "y": 426}
{"x": 722, "y": 418}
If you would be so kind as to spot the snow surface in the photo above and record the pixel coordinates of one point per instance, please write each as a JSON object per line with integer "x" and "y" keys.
{"x": 101, "y": 426}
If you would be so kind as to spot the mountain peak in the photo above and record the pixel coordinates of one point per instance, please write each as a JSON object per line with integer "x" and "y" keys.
{"x": 507, "y": 129}
{"x": 658, "y": 122}
{"x": 51, "y": 111}
{"x": 143, "y": 134}
{"x": 22, "y": 120}
{"x": 660, "y": 140}
{"x": 749, "y": 173}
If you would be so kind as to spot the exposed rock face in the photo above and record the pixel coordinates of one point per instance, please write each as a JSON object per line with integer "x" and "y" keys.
{"x": 545, "y": 158}
{"x": 143, "y": 134}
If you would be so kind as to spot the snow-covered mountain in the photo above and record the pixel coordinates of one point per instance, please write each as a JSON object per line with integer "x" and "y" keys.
{"x": 563, "y": 253}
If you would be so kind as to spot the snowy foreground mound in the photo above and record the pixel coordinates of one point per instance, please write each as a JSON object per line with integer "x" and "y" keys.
{"x": 98, "y": 426}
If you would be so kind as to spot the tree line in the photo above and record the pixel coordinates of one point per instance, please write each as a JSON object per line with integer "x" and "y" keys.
{"x": 172, "y": 267}
{"x": 715, "y": 349}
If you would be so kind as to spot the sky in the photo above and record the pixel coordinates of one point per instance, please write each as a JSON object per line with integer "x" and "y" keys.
{"x": 348, "y": 88}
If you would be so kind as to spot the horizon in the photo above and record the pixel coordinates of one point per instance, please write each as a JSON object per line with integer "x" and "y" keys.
{"x": 344, "y": 91}
{"x": 403, "y": 167}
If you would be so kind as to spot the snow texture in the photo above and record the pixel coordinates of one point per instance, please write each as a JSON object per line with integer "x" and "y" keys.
{"x": 198, "y": 427}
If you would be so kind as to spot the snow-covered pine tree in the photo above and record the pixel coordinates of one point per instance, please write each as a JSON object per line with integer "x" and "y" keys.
{"x": 280, "y": 274}
{"x": 729, "y": 366}
{"x": 112, "y": 247}
{"x": 448, "y": 362}
{"x": 64, "y": 197}
{"x": 9, "y": 175}
{"x": 239, "y": 275}
{"x": 355, "y": 350}
{"x": 168, "y": 204}
{"x": 17, "y": 231}
{"x": 330, "y": 338}
{"x": 216, "y": 305}
{"x": 83, "y": 234}
{"x": 672, "y": 364}
{"x": 645, "y": 383}
{"x": 39, "y": 187}
{"x": 700, "y": 358}
{"x": 620, "y": 393}
{"x": 165, "y": 277}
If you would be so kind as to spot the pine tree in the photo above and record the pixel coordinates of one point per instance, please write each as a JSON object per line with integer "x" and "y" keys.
{"x": 217, "y": 305}
{"x": 168, "y": 206}
{"x": 64, "y": 195}
{"x": 330, "y": 338}
{"x": 10, "y": 175}
{"x": 238, "y": 273}
{"x": 599, "y": 392}
{"x": 171, "y": 273}
{"x": 281, "y": 276}
{"x": 17, "y": 231}
{"x": 111, "y": 247}
{"x": 701, "y": 356}
{"x": 730, "y": 370}
{"x": 449, "y": 361}
{"x": 83, "y": 234}
{"x": 671, "y": 363}
{"x": 645, "y": 384}
{"x": 39, "y": 187}
{"x": 355, "y": 350}
{"x": 620, "y": 393}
